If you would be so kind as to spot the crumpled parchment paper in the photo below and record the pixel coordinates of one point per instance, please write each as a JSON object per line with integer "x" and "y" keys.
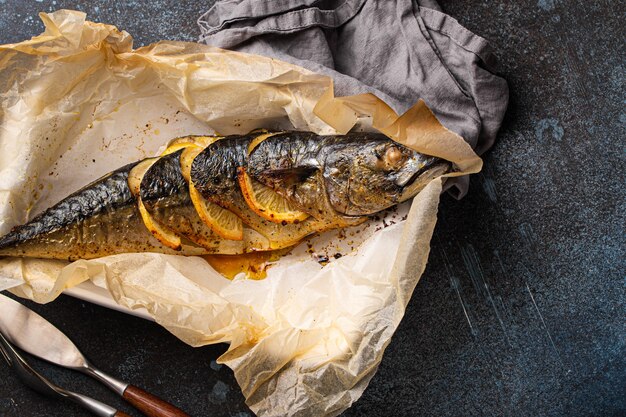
{"x": 78, "y": 101}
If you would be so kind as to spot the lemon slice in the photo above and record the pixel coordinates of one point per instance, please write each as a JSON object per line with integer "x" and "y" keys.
{"x": 187, "y": 141}
{"x": 191, "y": 151}
{"x": 136, "y": 175}
{"x": 266, "y": 202}
{"x": 264, "y": 135}
{"x": 186, "y": 159}
{"x": 164, "y": 234}
{"x": 223, "y": 222}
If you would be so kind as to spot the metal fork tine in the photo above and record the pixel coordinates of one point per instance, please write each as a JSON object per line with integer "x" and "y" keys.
{"x": 24, "y": 371}
{"x": 40, "y": 384}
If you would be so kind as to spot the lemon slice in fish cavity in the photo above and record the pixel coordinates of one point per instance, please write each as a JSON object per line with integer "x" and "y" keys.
{"x": 267, "y": 203}
{"x": 223, "y": 222}
{"x": 164, "y": 235}
{"x": 188, "y": 141}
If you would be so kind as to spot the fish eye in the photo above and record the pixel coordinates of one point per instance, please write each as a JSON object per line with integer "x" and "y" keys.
{"x": 393, "y": 155}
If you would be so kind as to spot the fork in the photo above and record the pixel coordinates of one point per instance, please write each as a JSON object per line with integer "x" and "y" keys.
{"x": 40, "y": 384}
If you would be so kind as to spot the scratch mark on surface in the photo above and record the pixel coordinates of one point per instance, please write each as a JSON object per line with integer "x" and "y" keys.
{"x": 543, "y": 322}
{"x": 573, "y": 67}
{"x": 475, "y": 270}
{"x": 526, "y": 230}
{"x": 456, "y": 285}
{"x": 504, "y": 273}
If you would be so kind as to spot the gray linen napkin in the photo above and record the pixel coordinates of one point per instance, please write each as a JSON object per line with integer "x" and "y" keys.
{"x": 399, "y": 50}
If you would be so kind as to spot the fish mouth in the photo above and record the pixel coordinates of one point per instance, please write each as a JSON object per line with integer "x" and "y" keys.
{"x": 421, "y": 178}
{"x": 414, "y": 168}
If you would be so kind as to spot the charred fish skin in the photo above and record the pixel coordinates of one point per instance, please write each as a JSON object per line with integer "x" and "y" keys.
{"x": 98, "y": 220}
{"x": 289, "y": 163}
{"x": 164, "y": 192}
{"x": 214, "y": 173}
{"x": 108, "y": 193}
{"x": 295, "y": 164}
{"x": 297, "y": 151}
{"x": 289, "y": 152}
{"x": 214, "y": 170}
{"x": 164, "y": 178}
{"x": 360, "y": 173}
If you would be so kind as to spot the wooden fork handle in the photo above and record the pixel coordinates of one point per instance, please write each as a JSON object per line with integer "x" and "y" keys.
{"x": 121, "y": 414}
{"x": 151, "y": 405}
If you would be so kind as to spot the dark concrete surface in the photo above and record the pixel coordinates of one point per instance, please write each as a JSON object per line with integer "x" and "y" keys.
{"x": 521, "y": 311}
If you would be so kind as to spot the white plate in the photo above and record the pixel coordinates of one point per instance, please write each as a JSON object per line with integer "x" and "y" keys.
{"x": 89, "y": 292}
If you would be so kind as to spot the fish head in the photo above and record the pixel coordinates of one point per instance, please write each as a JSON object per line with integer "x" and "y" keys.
{"x": 365, "y": 178}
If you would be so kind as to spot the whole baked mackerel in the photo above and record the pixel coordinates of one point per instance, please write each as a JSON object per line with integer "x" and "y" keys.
{"x": 334, "y": 181}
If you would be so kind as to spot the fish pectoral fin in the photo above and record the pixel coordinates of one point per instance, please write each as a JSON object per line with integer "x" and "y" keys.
{"x": 287, "y": 178}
